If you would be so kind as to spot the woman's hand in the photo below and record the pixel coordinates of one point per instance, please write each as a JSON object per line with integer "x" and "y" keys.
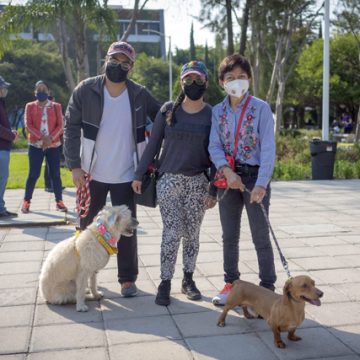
{"x": 210, "y": 201}
{"x": 136, "y": 186}
{"x": 78, "y": 176}
{"x": 233, "y": 179}
{"x": 257, "y": 194}
{"x": 47, "y": 141}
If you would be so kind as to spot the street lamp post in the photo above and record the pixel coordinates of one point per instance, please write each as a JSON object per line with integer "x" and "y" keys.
{"x": 170, "y": 58}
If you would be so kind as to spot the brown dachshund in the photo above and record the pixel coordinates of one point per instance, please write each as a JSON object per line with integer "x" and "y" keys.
{"x": 282, "y": 312}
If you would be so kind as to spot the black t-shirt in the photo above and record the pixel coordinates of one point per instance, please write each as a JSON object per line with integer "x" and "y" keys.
{"x": 185, "y": 147}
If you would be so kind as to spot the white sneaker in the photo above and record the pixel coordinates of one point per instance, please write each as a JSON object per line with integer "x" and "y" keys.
{"x": 220, "y": 299}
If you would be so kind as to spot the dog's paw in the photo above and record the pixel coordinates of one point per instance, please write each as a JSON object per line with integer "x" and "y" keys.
{"x": 294, "y": 338}
{"x": 221, "y": 323}
{"x": 280, "y": 344}
{"x": 98, "y": 295}
{"x": 81, "y": 308}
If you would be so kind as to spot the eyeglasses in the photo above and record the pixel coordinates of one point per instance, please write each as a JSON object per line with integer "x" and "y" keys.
{"x": 126, "y": 66}
{"x": 199, "y": 81}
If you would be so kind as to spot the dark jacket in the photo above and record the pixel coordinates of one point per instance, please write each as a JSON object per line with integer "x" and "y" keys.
{"x": 6, "y": 135}
{"x": 83, "y": 116}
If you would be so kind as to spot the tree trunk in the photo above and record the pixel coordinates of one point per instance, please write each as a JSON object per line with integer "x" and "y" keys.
{"x": 244, "y": 26}
{"x": 62, "y": 41}
{"x": 280, "y": 99}
{"x": 275, "y": 69}
{"x": 82, "y": 60}
{"x": 357, "y": 131}
{"x": 229, "y": 25}
{"x": 255, "y": 44}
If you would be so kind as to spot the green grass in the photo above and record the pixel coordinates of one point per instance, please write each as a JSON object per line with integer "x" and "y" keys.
{"x": 19, "y": 169}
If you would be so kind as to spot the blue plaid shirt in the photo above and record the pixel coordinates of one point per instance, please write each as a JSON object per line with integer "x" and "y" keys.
{"x": 257, "y": 139}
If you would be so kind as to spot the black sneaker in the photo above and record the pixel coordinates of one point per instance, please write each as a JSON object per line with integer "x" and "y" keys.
{"x": 189, "y": 288}
{"x": 8, "y": 214}
{"x": 163, "y": 295}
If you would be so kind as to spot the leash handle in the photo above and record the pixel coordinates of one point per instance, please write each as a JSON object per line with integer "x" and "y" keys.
{"x": 83, "y": 198}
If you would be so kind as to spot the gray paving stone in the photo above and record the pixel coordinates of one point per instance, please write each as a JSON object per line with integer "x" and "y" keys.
{"x": 79, "y": 354}
{"x": 23, "y": 267}
{"x": 18, "y": 281}
{"x": 316, "y": 343}
{"x": 20, "y": 315}
{"x": 335, "y": 314}
{"x": 159, "y": 350}
{"x": 141, "y": 330}
{"x": 72, "y": 336}
{"x": 337, "y": 276}
{"x": 13, "y": 357}
{"x": 124, "y": 308}
{"x": 321, "y": 262}
{"x": 230, "y": 347}
{"x": 349, "y": 335}
{"x": 47, "y": 314}
{"x": 14, "y": 256}
{"x": 14, "y": 340}
{"x": 204, "y": 324}
{"x": 17, "y": 296}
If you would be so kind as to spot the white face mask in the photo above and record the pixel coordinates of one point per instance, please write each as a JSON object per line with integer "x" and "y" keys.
{"x": 237, "y": 88}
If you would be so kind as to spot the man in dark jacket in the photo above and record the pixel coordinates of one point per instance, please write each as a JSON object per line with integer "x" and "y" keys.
{"x": 104, "y": 137}
{"x": 7, "y": 136}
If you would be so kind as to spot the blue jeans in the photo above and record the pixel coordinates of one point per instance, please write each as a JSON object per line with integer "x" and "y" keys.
{"x": 231, "y": 207}
{"x": 36, "y": 157}
{"x": 4, "y": 174}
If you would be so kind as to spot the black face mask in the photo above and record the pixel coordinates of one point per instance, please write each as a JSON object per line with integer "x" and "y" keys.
{"x": 115, "y": 73}
{"x": 194, "y": 91}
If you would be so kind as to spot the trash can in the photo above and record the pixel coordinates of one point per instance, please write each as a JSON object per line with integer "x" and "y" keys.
{"x": 322, "y": 159}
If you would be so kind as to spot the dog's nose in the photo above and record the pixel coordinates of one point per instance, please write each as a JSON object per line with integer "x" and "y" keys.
{"x": 319, "y": 293}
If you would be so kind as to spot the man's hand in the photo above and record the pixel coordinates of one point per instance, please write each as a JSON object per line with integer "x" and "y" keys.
{"x": 136, "y": 186}
{"x": 47, "y": 141}
{"x": 78, "y": 176}
{"x": 16, "y": 135}
{"x": 257, "y": 194}
{"x": 233, "y": 179}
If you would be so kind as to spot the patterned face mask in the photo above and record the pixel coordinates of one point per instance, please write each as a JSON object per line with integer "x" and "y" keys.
{"x": 237, "y": 88}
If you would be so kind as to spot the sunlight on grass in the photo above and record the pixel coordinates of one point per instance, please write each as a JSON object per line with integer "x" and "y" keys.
{"x": 19, "y": 168}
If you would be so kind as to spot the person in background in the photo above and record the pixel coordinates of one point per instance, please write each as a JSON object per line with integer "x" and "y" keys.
{"x": 254, "y": 164}
{"x": 182, "y": 190}
{"x": 7, "y": 136}
{"x": 106, "y": 119}
{"x": 44, "y": 123}
{"x": 47, "y": 178}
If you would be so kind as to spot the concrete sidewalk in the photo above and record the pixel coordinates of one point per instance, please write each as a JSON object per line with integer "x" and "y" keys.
{"x": 318, "y": 228}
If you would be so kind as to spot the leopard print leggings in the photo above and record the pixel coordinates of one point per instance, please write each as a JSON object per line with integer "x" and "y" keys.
{"x": 182, "y": 208}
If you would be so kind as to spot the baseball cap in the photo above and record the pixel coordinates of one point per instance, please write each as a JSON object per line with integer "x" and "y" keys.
{"x": 3, "y": 83}
{"x": 194, "y": 67}
{"x": 122, "y": 47}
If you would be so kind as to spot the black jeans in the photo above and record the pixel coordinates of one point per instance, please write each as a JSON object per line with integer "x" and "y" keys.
{"x": 36, "y": 157}
{"x": 231, "y": 207}
{"x": 127, "y": 257}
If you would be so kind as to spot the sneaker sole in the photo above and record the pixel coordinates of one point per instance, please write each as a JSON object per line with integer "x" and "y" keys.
{"x": 130, "y": 295}
{"x": 217, "y": 303}
{"x": 162, "y": 303}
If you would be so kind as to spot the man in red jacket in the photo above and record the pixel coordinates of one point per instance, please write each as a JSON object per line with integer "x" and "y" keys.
{"x": 7, "y": 136}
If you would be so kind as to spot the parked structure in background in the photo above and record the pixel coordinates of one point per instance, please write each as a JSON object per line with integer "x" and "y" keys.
{"x": 142, "y": 40}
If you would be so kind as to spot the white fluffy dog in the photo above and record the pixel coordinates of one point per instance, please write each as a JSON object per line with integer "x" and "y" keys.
{"x": 71, "y": 263}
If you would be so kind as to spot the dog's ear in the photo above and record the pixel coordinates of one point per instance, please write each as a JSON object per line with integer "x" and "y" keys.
{"x": 287, "y": 287}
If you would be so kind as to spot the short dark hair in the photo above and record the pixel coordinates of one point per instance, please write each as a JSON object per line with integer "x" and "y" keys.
{"x": 231, "y": 62}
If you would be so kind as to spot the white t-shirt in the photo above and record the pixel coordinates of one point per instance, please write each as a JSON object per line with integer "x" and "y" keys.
{"x": 114, "y": 147}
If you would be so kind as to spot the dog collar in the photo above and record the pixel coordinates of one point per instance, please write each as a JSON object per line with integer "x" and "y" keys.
{"x": 103, "y": 235}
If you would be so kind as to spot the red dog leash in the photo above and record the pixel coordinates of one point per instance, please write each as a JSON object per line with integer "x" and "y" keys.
{"x": 83, "y": 198}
